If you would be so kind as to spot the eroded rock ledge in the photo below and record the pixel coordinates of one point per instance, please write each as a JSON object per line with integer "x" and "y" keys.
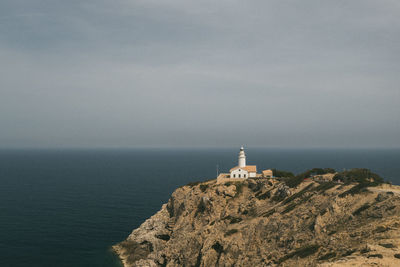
{"x": 261, "y": 222}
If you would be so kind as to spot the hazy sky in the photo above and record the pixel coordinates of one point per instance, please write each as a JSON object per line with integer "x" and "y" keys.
{"x": 125, "y": 73}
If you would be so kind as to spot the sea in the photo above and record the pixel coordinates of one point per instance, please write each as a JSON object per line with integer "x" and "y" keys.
{"x": 68, "y": 207}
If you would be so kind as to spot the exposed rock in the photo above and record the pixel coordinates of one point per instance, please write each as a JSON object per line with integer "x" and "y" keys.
{"x": 259, "y": 222}
{"x": 282, "y": 192}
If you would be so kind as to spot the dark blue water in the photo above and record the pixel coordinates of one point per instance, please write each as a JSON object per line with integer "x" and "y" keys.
{"x": 66, "y": 208}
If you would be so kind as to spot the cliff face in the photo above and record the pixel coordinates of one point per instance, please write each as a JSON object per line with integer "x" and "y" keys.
{"x": 259, "y": 222}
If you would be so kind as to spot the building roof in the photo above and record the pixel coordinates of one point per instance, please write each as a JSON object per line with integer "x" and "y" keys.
{"x": 249, "y": 168}
{"x": 267, "y": 171}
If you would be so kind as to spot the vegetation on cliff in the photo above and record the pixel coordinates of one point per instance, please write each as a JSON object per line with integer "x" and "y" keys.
{"x": 271, "y": 222}
{"x": 362, "y": 176}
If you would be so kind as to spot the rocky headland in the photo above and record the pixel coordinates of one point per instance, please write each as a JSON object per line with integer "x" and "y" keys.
{"x": 327, "y": 220}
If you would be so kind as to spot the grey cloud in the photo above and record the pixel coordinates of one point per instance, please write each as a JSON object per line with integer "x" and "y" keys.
{"x": 183, "y": 73}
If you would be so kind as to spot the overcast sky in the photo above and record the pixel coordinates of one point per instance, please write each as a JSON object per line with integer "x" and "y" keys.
{"x": 126, "y": 73}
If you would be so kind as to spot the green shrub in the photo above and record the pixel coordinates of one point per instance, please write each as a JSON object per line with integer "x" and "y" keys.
{"x": 180, "y": 210}
{"x": 269, "y": 213}
{"x": 381, "y": 229}
{"x": 359, "y": 176}
{"x": 375, "y": 256}
{"x": 315, "y": 171}
{"x": 365, "y": 250}
{"x": 231, "y": 232}
{"x": 239, "y": 188}
{"x": 348, "y": 252}
{"x": 301, "y": 252}
{"x": 255, "y": 186}
{"x": 232, "y": 219}
{"x": 277, "y": 198}
{"x": 218, "y": 247}
{"x": 298, "y": 194}
{"x": 322, "y": 171}
{"x": 327, "y": 256}
{"x": 324, "y": 186}
{"x": 311, "y": 226}
{"x": 191, "y": 184}
{"x": 264, "y": 195}
{"x": 361, "y": 209}
{"x": 289, "y": 207}
{"x": 355, "y": 190}
{"x": 388, "y": 245}
{"x": 332, "y": 232}
{"x": 235, "y": 220}
{"x": 252, "y": 212}
{"x": 201, "y": 207}
{"x": 306, "y": 251}
{"x": 293, "y": 181}
{"x": 390, "y": 208}
{"x": 279, "y": 173}
{"x": 238, "y": 185}
{"x": 292, "y": 205}
{"x": 163, "y": 237}
{"x": 203, "y": 187}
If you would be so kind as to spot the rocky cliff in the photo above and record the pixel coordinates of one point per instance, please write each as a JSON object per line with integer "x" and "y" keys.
{"x": 260, "y": 222}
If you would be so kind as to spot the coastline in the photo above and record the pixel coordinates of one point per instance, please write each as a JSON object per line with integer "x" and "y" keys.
{"x": 117, "y": 251}
{"x": 210, "y": 221}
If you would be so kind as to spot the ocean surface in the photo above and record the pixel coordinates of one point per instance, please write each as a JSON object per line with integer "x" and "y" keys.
{"x": 67, "y": 207}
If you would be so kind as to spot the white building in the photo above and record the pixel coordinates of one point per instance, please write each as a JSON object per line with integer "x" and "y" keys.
{"x": 243, "y": 170}
{"x": 267, "y": 173}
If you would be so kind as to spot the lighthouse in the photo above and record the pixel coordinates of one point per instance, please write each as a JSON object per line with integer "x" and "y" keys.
{"x": 242, "y": 158}
{"x": 242, "y": 170}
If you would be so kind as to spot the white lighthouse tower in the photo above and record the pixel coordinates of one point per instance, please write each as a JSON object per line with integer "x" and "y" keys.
{"x": 242, "y": 158}
{"x": 242, "y": 170}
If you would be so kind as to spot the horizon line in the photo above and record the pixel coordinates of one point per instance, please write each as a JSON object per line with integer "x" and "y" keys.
{"x": 199, "y": 148}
